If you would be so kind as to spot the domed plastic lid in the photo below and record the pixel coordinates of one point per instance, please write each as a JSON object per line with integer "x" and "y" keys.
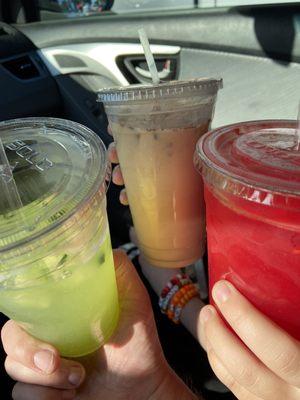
{"x": 259, "y": 154}
{"x": 57, "y": 165}
{"x": 203, "y": 86}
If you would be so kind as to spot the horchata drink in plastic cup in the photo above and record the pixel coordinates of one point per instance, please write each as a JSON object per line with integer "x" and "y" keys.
{"x": 156, "y": 129}
{"x": 251, "y": 173}
{"x": 57, "y": 277}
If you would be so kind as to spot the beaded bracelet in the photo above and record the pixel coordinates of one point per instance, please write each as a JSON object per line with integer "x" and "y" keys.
{"x": 179, "y": 301}
{"x": 170, "y": 289}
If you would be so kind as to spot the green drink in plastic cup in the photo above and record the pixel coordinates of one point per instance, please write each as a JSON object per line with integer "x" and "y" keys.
{"x": 57, "y": 277}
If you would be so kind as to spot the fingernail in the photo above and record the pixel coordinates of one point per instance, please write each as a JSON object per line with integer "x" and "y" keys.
{"x": 75, "y": 376}
{"x": 44, "y": 360}
{"x": 221, "y": 292}
{"x": 68, "y": 394}
{"x": 206, "y": 314}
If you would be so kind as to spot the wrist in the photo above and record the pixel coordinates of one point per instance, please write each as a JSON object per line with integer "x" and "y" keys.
{"x": 171, "y": 387}
{"x": 157, "y": 277}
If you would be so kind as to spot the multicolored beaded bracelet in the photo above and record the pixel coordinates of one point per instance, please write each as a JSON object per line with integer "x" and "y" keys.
{"x": 179, "y": 301}
{"x": 170, "y": 289}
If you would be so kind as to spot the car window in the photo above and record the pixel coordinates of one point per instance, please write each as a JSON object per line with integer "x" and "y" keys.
{"x": 52, "y": 9}
{"x": 231, "y": 3}
{"x": 80, "y": 8}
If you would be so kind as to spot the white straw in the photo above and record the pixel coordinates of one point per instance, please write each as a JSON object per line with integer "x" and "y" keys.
{"x": 149, "y": 56}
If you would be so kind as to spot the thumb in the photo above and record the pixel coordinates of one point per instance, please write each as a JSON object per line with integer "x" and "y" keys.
{"x": 30, "y": 352}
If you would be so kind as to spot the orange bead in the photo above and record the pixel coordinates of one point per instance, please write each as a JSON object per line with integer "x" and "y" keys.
{"x": 180, "y": 299}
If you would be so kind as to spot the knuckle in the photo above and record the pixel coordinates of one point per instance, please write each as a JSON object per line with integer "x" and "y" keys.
{"x": 239, "y": 318}
{"x": 243, "y": 322}
{"x": 6, "y": 331}
{"x": 247, "y": 378}
{"x": 288, "y": 362}
{"x": 3, "y": 330}
{"x": 7, "y": 363}
{"x": 10, "y": 367}
{"x": 20, "y": 350}
{"x": 221, "y": 372}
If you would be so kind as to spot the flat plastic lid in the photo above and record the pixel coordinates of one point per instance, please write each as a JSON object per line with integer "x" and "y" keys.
{"x": 258, "y": 154}
{"x": 203, "y": 86}
{"x": 57, "y": 165}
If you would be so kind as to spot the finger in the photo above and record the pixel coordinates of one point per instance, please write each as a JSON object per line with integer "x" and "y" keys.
{"x": 225, "y": 377}
{"x": 201, "y": 336}
{"x": 274, "y": 347}
{"x": 126, "y": 272}
{"x": 133, "y": 236}
{"x": 112, "y": 153}
{"x": 124, "y": 266}
{"x": 123, "y": 197}
{"x": 68, "y": 376}
{"x": 22, "y": 391}
{"x": 117, "y": 176}
{"x": 30, "y": 352}
{"x": 109, "y": 129}
{"x": 241, "y": 364}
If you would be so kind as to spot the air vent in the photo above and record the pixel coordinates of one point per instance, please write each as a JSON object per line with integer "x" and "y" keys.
{"x": 22, "y": 68}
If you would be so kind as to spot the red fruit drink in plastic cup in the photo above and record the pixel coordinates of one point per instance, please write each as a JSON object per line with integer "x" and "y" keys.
{"x": 251, "y": 173}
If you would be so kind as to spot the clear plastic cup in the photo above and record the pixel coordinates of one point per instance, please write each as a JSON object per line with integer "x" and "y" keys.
{"x": 251, "y": 173}
{"x": 156, "y": 129}
{"x": 57, "y": 276}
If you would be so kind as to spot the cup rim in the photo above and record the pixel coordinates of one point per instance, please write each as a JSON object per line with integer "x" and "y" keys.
{"x": 103, "y": 175}
{"x": 206, "y": 165}
{"x": 163, "y": 90}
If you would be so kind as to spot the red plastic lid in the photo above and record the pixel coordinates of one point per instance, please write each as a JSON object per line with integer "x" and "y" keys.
{"x": 260, "y": 155}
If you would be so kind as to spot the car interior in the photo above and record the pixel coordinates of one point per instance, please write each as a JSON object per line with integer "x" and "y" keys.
{"x": 53, "y": 66}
